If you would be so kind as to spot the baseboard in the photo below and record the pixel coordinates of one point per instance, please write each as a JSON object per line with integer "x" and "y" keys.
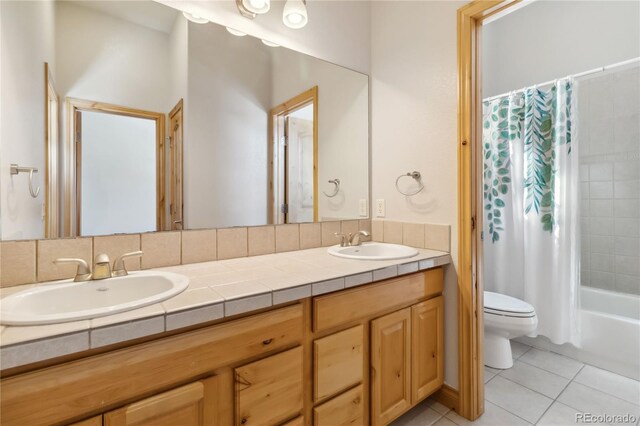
{"x": 448, "y": 396}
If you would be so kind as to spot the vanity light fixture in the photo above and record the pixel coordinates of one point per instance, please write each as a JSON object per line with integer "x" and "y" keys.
{"x": 251, "y": 8}
{"x": 294, "y": 14}
{"x": 269, "y": 43}
{"x": 235, "y": 32}
{"x": 195, "y": 18}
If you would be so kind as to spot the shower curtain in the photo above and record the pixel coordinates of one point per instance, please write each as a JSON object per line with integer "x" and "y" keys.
{"x": 531, "y": 246}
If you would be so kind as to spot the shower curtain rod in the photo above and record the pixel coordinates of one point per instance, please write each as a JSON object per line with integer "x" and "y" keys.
{"x": 582, "y": 74}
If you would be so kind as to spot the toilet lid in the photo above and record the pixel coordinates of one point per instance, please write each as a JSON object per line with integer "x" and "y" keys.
{"x": 502, "y": 304}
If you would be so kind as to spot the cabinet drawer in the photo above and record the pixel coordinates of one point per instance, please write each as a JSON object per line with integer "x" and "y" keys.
{"x": 269, "y": 391}
{"x": 337, "y": 362}
{"x": 340, "y": 308}
{"x": 189, "y": 405}
{"x": 345, "y": 409}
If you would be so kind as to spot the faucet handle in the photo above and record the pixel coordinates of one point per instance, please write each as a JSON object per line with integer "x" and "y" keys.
{"x": 83, "y": 272}
{"x": 119, "y": 270}
{"x": 344, "y": 239}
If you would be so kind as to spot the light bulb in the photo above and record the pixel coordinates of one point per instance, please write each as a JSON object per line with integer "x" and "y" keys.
{"x": 235, "y": 32}
{"x": 195, "y": 18}
{"x": 257, "y": 6}
{"x": 270, "y": 43}
{"x": 294, "y": 14}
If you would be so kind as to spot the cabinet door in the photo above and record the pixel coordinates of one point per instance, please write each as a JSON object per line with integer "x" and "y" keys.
{"x": 346, "y": 409}
{"x": 338, "y": 362}
{"x": 189, "y": 405}
{"x": 391, "y": 366}
{"x": 269, "y": 391}
{"x": 428, "y": 346}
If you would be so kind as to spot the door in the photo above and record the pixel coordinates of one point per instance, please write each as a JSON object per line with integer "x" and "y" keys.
{"x": 391, "y": 366}
{"x": 293, "y": 159}
{"x": 176, "y": 134}
{"x": 118, "y": 183}
{"x": 428, "y": 348}
{"x": 269, "y": 391}
{"x": 189, "y": 405}
{"x": 299, "y": 165}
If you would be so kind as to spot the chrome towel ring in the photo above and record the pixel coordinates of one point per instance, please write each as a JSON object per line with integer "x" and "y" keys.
{"x": 418, "y": 178}
{"x": 15, "y": 169}
{"x": 336, "y": 189}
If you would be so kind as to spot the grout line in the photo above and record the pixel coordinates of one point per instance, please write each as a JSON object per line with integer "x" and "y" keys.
{"x": 549, "y": 371}
{"x": 532, "y": 390}
{"x": 556, "y": 398}
{"x": 508, "y": 411}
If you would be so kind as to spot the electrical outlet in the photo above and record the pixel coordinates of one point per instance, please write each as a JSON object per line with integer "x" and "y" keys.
{"x": 380, "y": 208}
{"x": 362, "y": 207}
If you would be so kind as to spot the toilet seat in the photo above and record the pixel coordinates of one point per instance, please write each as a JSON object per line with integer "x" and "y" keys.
{"x": 507, "y": 306}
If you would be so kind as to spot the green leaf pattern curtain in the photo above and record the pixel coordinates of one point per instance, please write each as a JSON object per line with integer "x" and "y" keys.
{"x": 530, "y": 198}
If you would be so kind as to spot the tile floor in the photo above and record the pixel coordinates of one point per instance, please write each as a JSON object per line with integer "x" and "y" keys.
{"x": 542, "y": 388}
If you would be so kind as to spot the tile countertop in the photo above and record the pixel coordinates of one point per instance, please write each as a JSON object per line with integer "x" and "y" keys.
{"x": 216, "y": 290}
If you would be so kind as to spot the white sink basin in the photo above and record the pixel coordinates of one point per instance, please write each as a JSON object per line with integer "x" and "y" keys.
{"x": 374, "y": 251}
{"x": 71, "y": 301}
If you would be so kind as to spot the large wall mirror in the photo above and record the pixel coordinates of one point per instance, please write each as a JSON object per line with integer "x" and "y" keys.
{"x": 137, "y": 120}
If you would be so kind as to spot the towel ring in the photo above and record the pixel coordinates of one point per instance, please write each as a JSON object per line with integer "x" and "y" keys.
{"x": 418, "y": 178}
{"x": 336, "y": 182}
{"x": 15, "y": 169}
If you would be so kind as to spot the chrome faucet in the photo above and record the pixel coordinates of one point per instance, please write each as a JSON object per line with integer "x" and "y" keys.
{"x": 101, "y": 268}
{"x": 354, "y": 239}
{"x": 351, "y": 239}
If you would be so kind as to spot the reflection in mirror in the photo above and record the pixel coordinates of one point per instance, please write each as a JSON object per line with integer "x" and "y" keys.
{"x": 232, "y": 133}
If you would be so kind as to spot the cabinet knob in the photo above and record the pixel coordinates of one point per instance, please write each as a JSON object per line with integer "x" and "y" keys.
{"x": 244, "y": 420}
{"x": 267, "y": 342}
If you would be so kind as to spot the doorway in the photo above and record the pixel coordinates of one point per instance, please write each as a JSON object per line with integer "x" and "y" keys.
{"x": 117, "y": 173}
{"x": 293, "y": 153}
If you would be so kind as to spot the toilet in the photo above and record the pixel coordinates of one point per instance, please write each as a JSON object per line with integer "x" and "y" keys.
{"x": 505, "y": 318}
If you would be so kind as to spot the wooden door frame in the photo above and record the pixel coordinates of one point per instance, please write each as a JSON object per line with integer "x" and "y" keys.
{"x": 72, "y": 176}
{"x": 52, "y": 153}
{"x": 470, "y": 286}
{"x": 303, "y": 99}
{"x": 179, "y": 152}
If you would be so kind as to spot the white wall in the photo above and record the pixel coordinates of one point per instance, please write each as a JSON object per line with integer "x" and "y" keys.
{"x": 343, "y": 126}
{"x": 413, "y": 77}
{"x": 27, "y": 34}
{"x": 338, "y": 31}
{"x": 103, "y": 58}
{"x": 225, "y": 157}
{"x": 578, "y": 36}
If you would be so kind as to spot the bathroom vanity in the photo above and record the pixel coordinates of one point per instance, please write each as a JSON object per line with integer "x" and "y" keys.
{"x": 362, "y": 355}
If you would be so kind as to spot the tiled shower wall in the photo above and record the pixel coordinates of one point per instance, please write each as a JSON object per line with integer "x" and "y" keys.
{"x": 609, "y": 150}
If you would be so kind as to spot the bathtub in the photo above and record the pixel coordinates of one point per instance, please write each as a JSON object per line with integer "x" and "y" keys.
{"x": 610, "y": 332}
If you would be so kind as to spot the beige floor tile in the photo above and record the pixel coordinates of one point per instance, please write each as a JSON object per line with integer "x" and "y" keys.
{"x": 517, "y": 399}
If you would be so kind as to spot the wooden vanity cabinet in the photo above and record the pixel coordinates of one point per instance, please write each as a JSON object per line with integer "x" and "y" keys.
{"x": 355, "y": 357}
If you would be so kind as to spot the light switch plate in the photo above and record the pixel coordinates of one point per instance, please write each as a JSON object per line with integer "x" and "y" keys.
{"x": 380, "y": 209}
{"x": 362, "y": 207}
